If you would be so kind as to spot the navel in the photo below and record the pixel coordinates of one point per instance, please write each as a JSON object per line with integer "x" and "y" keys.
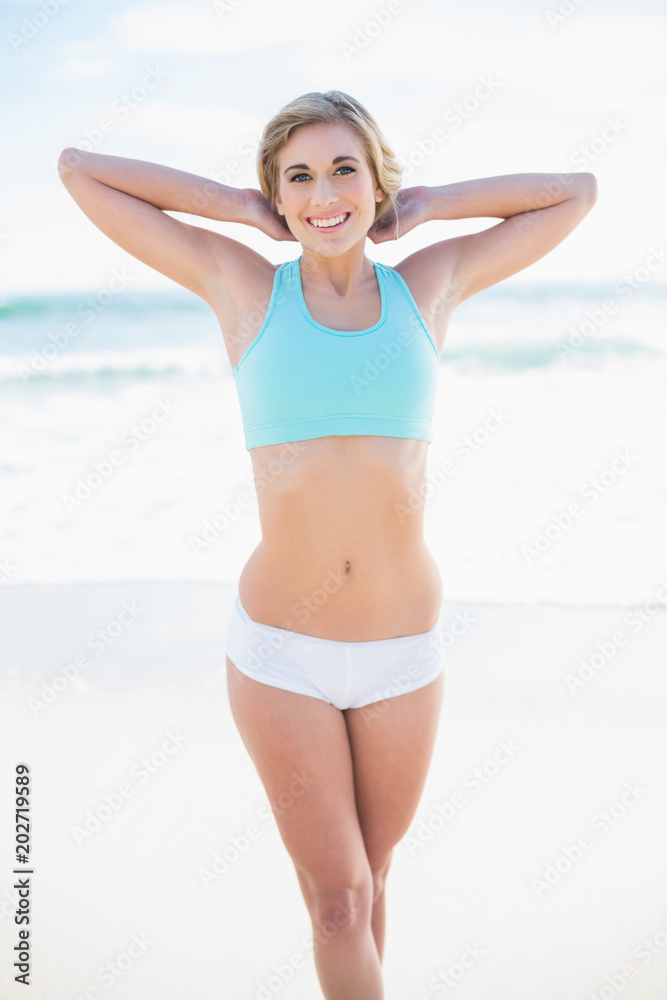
{"x": 347, "y": 567}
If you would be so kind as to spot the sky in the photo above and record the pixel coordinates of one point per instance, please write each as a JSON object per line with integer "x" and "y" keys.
{"x": 512, "y": 87}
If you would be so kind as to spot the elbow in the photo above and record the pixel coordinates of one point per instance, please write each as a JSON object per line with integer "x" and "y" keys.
{"x": 69, "y": 159}
{"x": 589, "y": 187}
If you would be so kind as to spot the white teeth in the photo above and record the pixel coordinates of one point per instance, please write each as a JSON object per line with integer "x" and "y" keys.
{"x": 327, "y": 223}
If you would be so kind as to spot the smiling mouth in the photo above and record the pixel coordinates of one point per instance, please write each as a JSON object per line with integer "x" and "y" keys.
{"x": 325, "y": 229}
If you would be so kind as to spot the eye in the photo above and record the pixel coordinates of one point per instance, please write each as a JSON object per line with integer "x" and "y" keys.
{"x": 296, "y": 176}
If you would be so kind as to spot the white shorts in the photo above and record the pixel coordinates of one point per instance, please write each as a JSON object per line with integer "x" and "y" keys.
{"x": 344, "y": 674}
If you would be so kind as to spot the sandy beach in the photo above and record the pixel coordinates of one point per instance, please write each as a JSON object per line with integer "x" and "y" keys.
{"x": 534, "y": 866}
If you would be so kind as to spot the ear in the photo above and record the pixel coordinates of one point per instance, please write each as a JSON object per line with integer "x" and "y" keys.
{"x": 279, "y": 205}
{"x": 379, "y": 193}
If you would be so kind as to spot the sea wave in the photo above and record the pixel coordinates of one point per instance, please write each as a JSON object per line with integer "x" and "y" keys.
{"x": 521, "y": 355}
{"x": 107, "y": 364}
{"x": 145, "y": 363}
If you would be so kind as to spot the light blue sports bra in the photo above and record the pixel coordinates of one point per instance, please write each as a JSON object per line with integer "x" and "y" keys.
{"x": 299, "y": 380}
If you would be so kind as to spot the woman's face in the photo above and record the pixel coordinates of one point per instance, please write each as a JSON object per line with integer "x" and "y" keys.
{"x": 312, "y": 186}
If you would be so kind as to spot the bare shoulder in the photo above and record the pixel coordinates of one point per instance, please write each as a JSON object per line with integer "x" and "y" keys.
{"x": 239, "y": 292}
{"x": 430, "y": 280}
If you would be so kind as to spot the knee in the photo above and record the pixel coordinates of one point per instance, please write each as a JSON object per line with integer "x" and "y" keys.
{"x": 342, "y": 908}
{"x": 379, "y": 873}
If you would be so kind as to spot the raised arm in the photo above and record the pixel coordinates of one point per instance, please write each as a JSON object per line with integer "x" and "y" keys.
{"x": 539, "y": 211}
{"x": 128, "y": 200}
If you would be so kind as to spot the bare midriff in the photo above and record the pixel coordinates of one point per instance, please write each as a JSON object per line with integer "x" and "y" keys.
{"x": 342, "y": 554}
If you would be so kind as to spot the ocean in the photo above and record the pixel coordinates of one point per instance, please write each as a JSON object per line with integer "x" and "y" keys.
{"x": 123, "y": 455}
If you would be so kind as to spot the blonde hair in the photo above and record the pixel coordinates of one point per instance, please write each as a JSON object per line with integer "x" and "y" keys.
{"x": 330, "y": 107}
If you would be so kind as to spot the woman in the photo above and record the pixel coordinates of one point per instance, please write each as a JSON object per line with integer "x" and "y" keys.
{"x": 335, "y": 672}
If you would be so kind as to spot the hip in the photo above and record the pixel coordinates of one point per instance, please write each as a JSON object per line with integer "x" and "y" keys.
{"x": 344, "y": 674}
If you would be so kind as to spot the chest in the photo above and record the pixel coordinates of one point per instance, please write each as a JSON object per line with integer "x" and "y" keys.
{"x": 353, "y": 311}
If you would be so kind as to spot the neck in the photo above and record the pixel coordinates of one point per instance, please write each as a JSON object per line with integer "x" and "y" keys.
{"x": 343, "y": 272}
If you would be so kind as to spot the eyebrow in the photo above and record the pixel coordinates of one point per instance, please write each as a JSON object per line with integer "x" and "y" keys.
{"x": 304, "y": 166}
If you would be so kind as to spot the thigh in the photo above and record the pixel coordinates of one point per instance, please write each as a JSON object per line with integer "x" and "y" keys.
{"x": 392, "y": 746}
{"x": 299, "y": 745}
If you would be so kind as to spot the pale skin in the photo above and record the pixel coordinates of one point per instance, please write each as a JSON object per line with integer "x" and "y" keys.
{"x": 331, "y": 507}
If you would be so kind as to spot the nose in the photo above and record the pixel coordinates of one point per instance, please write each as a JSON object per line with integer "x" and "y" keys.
{"x": 324, "y": 192}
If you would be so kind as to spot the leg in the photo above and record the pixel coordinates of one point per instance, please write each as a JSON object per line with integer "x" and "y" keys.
{"x": 286, "y": 733}
{"x": 392, "y": 746}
